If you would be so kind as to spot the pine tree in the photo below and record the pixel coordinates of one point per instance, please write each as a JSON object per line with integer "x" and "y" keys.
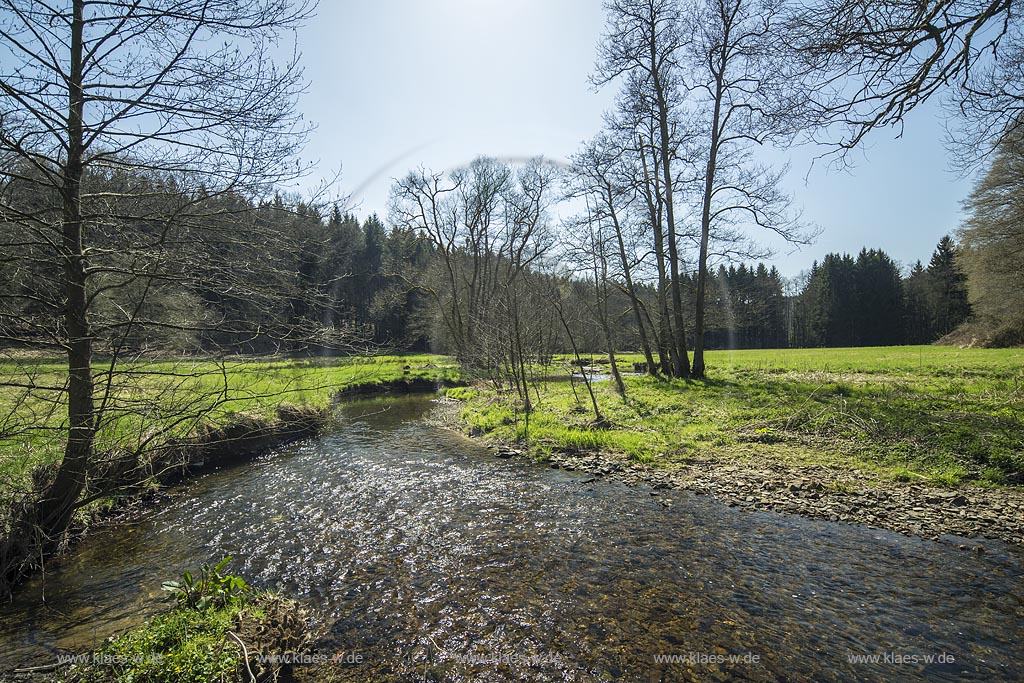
{"x": 877, "y": 311}
{"x": 947, "y": 288}
{"x": 917, "y": 312}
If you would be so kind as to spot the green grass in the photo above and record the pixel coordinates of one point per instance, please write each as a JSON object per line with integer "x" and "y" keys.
{"x": 928, "y": 413}
{"x": 199, "y": 638}
{"x": 178, "y": 645}
{"x": 153, "y": 401}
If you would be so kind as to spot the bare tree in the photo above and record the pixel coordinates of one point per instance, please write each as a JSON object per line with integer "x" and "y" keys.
{"x": 589, "y": 249}
{"x": 600, "y": 173}
{"x": 488, "y": 225}
{"x": 634, "y": 131}
{"x": 563, "y": 303}
{"x": 130, "y": 131}
{"x": 641, "y": 42}
{"x": 737, "y": 98}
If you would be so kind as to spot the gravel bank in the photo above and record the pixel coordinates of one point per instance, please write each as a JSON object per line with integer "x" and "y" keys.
{"x": 825, "y": 493}
{"x": 834, "y": 494}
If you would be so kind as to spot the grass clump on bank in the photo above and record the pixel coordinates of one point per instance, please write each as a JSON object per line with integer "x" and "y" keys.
{"x": 220, "y": 629}
{"x": 936, "y": 414}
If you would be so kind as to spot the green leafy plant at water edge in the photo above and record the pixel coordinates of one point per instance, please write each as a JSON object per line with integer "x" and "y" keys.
{"x": 212, "y": 588}
{"x": 225, "y": 641}
{"x": 180, "y": 645}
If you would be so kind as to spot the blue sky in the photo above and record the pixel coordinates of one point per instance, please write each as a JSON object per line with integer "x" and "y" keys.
{"x": 399, "y": 83}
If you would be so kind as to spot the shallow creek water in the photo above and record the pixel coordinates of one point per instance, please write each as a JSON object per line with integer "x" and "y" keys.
{"x": 424, "y": 557}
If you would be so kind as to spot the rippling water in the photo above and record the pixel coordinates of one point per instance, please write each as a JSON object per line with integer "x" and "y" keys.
{"x": 418, "y": 550}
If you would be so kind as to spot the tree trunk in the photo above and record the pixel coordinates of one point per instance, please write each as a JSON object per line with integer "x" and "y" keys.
{"x": 620, "y": 386}
{"x": 58, "y": 504}
{"x": 627, "y": 271}
{"x": 601, "y": 290}
{"x": 705, "y": 230}
{"x": 653, "y": 199}
{"x": 598, "y": 418}
{"x": 680, "y": 357}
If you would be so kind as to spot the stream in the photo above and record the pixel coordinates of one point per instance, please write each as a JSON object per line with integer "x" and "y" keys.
{"x": 428, "y": 558}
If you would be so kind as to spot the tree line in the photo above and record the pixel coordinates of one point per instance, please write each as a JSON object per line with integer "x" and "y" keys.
{"x": 236, "y": 276}
{"x": 867, "y": 301}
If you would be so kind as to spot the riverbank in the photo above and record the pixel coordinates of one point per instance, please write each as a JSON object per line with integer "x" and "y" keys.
{"x": 824, "y": 493}
{"x": 151, "y": 401}
{"x": 257, "y": 405}
{"x": 919, "y": 440}
{"x": 817, "y": 492}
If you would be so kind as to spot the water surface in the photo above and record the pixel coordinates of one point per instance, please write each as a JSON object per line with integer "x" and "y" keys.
{"x": 431, "y": 559}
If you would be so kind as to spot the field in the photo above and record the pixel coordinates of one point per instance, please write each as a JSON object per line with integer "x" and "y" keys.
{"x": 934, "y": 414}
{"x": 937, "y": 414}
{"x": 155, "y": 400}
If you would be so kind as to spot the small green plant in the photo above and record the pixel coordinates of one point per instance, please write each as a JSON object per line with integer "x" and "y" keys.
{"x": 461, "y": 393}
{"x": 949, "y": 477}
{"x": 905, "y": 475}
{"x": 992, "y": 475}
{"x": 542, "y": 452}
{"x": 643, "y": 457}
{"x": 212, "y": 588}
{"x": 840, "y": 486}
{"x": 1008, "y": 462}
{"x": 763, "y": 435}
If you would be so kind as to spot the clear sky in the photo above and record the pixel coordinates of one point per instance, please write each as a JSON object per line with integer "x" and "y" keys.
{"x": 395, "y": 84}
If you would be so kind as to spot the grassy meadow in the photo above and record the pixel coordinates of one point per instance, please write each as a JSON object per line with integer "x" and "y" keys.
{"x": 927, "y": 413}
{"x": 934, "y": 414}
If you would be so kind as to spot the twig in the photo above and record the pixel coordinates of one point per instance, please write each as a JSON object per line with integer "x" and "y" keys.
{"x": 245, "y": 654}
{"x": 37, "y": 669}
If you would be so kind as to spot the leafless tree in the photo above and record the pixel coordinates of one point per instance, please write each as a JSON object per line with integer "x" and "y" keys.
{"x": 567, "y": 308}
{"x": 590, "y": 249}
{"x": 641, "y": 43}
{"x": 133, "y": 134}
{"x": 488, "y": 225}
{"x": 633, "y": 130}
{"x": 738, "y": 100}
{"x": 600, "y": 172}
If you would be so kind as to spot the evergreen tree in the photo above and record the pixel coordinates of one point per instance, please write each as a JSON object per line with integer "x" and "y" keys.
{"x": 775, "y": 311}
{"x": 877, "y": 309}
{"x": 851, "y": 302}
{"x": 947, "y": 289}
{"x": 917, "y": 314}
